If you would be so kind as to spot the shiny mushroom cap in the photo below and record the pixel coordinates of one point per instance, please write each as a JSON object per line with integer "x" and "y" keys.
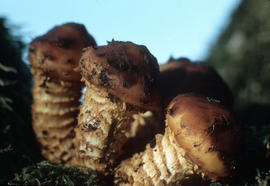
{"x": 207, "y": 132}
{"x": 56, "y": 54}
{"x": 180, "y": 76}
{"x": 126, "y": 70}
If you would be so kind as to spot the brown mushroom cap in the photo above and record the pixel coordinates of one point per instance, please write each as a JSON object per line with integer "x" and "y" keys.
{"x": 206, "y": 131}
{"x": 180, "y": 76}
{"x": 128, "y": 71}
{"x": 57, "y": 53}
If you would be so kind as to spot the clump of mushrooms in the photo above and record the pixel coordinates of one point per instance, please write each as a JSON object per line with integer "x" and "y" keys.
{"x": 123, "y": 87}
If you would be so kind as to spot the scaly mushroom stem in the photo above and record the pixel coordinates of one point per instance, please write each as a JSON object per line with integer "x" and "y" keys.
{"x": 162, "y": 163}
{"x": 102, "y": 128}
{"x": 54, "y": 110}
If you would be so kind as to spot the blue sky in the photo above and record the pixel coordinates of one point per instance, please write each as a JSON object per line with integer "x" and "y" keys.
{"x": 178, "y": 28}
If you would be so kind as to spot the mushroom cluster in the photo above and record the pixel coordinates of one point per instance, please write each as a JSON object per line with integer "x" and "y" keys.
{"x": 142, "y": 123}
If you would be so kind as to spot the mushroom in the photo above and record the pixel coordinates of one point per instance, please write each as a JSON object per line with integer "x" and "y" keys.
{"x": 180, "y": 76}
{"x": 200, "y": 140}
{"x": 120, "y": 81}
{"x": 57, "y": 88}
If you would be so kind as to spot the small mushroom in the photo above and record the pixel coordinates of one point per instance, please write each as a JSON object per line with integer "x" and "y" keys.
{"x": 120, "y": 81}
{"x": 180, "y": 76}
{"x": 57, "y": 88}
{"x": 200, "y": 140}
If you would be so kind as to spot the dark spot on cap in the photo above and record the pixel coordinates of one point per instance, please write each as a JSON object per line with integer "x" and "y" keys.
{"x": 64, "y": 43}
{"x": 103, "y": 80}
{"x": 118, "y": 64}
{"x": 32, "y": 50}
{"x": 69, "y": 61}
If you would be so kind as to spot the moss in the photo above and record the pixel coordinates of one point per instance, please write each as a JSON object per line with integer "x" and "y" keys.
{"x": 45, "y": 173}
{"x": 263, "y": 178}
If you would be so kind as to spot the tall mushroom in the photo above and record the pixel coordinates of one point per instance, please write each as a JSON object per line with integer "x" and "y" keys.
{"x": 57, "y": 88}
{"x": 180, "y": 76}
{"x": 120, "y": 81}
{"x": 200, "y": 139}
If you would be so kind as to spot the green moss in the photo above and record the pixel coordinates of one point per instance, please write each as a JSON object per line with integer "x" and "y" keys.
{"x": 45, "y": 173}
{"x": 263, "y": 178}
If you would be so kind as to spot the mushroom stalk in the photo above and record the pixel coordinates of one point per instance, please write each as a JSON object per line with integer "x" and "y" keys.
{"x": 54, "y": 110}
{"x": 162, "y": 163}
{"x": 104, "y": 122}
